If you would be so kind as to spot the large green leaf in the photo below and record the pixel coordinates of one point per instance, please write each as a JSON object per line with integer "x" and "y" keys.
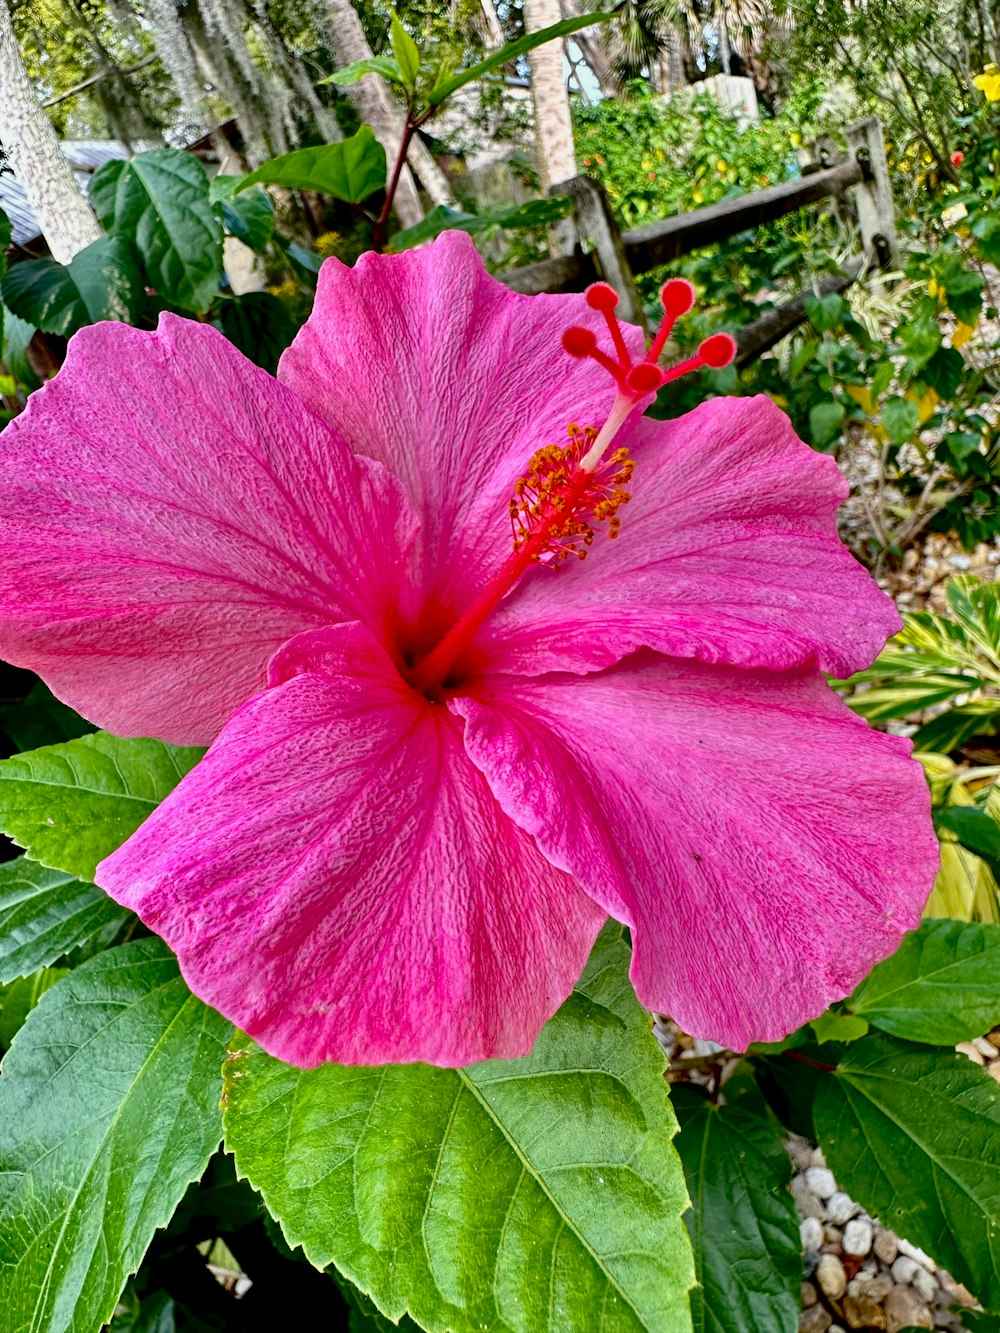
{"x": 160, "y": 201}
{"x": 103, "y": 281}
{"x": 743, "y": 1221}
{"x": 517, "y": 1195}
{"x": 46, "y": 913}
{"x": 914, "y": 1135}
{"x": 350, "y": 170}
{"x": 940, "y": 986}
{"x": 19, "y": 998}
{"x": 534, "y": 213}
{"x": 71, "y": 805}
{"x": 564, "y": 28}
{"x": 109, "y": 1108}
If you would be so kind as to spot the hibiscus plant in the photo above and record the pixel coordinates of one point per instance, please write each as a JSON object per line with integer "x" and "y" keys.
{"x": 466, "y": 748}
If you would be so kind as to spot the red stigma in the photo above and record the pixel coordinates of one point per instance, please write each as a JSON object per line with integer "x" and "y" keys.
{"x": 579, "y": 341}
{"x": 677, "y": 297}
{"x": 644, "y": 378}
{"x": 636, "y": 379}
{"x": 718, "y": 351}
{"x": 601, "y": 296}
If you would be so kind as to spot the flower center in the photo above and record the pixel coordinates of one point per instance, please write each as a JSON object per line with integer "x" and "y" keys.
{"x": 568, "y": 491}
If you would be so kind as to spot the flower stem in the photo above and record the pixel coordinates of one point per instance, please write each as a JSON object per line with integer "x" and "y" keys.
{"x": 380, "y": 234}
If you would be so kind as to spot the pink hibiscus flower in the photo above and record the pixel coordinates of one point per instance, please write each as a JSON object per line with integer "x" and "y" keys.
{"x": 435, "y": 766}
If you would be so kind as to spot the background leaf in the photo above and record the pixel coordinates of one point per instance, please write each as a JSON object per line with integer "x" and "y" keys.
{"x": 350, "y": 170}
{"x": 382, "y": 65}
{"x": 524, "y": 1194}
{"x": 46, "y": 913}
{"x": 940, "y": 986}
{"x": 504, "y": 54}
{"x": 534, "y": 213}
{"x": 404, "y": 48}
{"x": 41, "y": 719}
{"x": 160, "y": 201}
{"x": 250, "y": 217}
{"x": 71, "y": 805}
{"x": 109, "y": 1108}
{"x": 914, "y": 1136}
{"x": 102, "y": 281}
{"x": 743, "y": 1221}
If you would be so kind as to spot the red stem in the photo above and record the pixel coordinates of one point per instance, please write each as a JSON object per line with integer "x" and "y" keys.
{"x": 381, "y": 231}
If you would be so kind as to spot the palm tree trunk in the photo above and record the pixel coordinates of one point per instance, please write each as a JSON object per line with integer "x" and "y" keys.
{"x": 553, "y": 125}
{"x": 32, "y": 149}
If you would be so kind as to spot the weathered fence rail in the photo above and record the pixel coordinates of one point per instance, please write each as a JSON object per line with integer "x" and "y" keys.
{"x": 590, "y": 246}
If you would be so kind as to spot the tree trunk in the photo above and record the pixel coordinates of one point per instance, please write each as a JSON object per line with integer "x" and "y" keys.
{"x": 725, "y": 49}
{"x": 553, "y": 125}
{"x": 32, "y": 148}
{"x": 373, "y": 103}
{"x": 178, "y": 59}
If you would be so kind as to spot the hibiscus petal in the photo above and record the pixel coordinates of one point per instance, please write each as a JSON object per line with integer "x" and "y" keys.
{"x": 169, "y": 515}
{"x": 728, "y": 552}
{"x": 766, "y": 847}
{"x": 336, "y": 877}
{"x": 426, "y": 363}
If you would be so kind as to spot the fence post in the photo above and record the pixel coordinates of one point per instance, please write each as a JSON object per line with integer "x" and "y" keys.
{"x": 594, "y": 222}
{"x": 876, "y": 215}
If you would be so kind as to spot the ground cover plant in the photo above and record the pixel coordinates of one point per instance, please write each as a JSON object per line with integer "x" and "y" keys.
{"x": 470, "y": 816}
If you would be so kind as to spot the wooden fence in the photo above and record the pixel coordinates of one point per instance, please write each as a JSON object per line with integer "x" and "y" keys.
{"x": 589, "y": 245}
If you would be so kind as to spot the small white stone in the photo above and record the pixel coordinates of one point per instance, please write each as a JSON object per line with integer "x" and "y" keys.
{"x": 924, "y": 1284}
{"x": 886, "y": 1246}
{"x": 903, "y": 1270}
{"x": 706, "y": 1048}
{"x": 806, "y": 1202}
{"x": 985, "y": 1047}
{"x": 831, "y": 1276}
{"x": 817, "y": 1157}
{"x": 800, "y": 1151}
{"x": 915, "y": 1252}
{"x": 820, "y": 1180}
{"x": 960, "y": 561}
{"x": 840, "y": 1207}
{"x": 858, "y": 1237}
{"x": 811, "y": 1231}
{"x": 967, "y": 1048}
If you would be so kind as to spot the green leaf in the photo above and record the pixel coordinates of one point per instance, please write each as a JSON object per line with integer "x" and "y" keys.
{"x": 940, "y": 986}
{"x": 41, "y": 719}
{"x": 824, "y": 422}
{"x": 160, "y": 201}
{"x": 102, "y": 281}
{"x": 521, "y": 1194}
{"x": 258, "y": 323}
{"x": 154, "y": 1315}
{"x": 977, "y": 831}
{"x": 404, "y": 48}
{"x": 19, "y": 998}
{"x": 71, "y": 805}
{"x": 920, "y": 340}
{"x": 533, "y": 213}
{"x": 46, "y": 913}
{"x": 833, "y": 1026}
{"x": 914, "y": 1136}
{"x": 17, "y": 336}
{"x": 109, "y": 1108}
{"x": 383, "y": 65}
{"x": 900, "y": 417}
{"x": 949, "y": 730}
{"x": 510, "y": 52}
{"x": 743, "y": 1221}
{"x": 824, "y": 312}
{"x": 6, "y": 235}
{"x": 944, "y": 371}
{"x": 350, "y": 170}
{"x": 250, "y": 218}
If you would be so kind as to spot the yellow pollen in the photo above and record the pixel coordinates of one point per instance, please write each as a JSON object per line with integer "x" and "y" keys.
{"x": 557, "y": 502}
